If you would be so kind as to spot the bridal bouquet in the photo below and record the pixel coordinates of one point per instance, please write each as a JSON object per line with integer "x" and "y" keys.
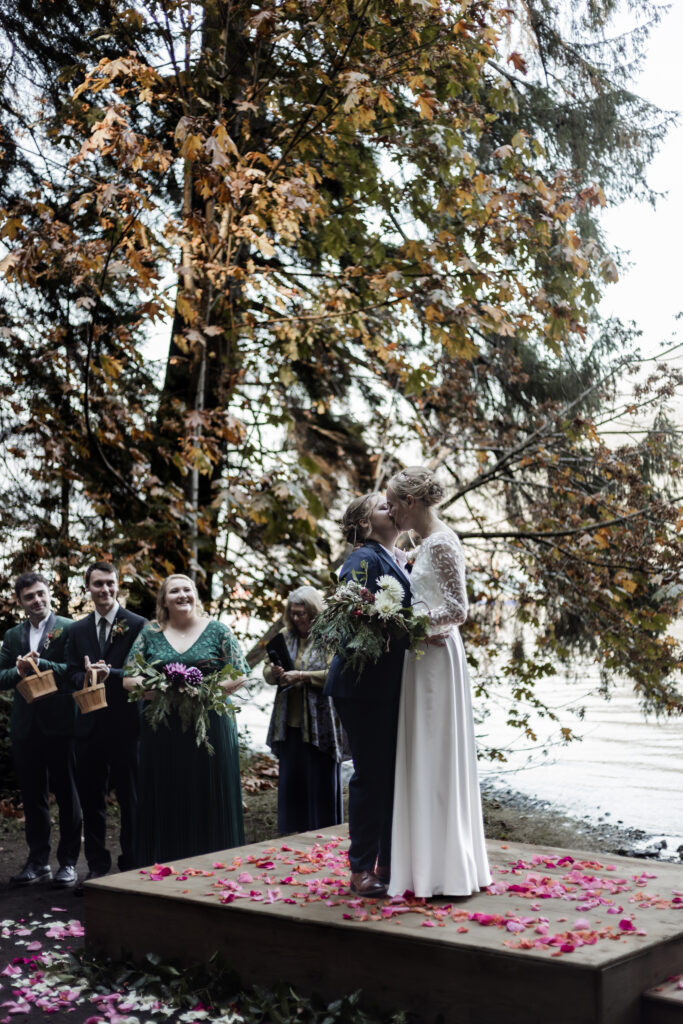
{"x": 186, "y": 690}
{"x": 359, "y": 625}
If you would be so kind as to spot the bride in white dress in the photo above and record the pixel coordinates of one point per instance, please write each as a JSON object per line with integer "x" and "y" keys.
{"x": 438, "y": 845}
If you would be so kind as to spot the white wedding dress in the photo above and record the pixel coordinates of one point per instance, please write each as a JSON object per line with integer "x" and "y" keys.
{"x": 437, "y": 843}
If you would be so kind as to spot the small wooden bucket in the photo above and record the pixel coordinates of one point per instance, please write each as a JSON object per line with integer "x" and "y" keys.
{"x": 42, "y": 684}
{"x": 93, "y": 696}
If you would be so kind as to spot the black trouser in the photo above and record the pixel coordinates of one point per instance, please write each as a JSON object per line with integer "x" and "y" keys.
{"x": 107, "y": 759}
{"x": 44, "y": 765}
{"x": 371, "y": 729}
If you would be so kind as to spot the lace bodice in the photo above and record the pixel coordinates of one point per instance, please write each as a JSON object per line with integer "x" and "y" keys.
{"x": 438, "y": 580}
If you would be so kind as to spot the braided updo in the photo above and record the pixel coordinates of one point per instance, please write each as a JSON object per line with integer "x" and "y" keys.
{"x": 357, "y": 510}
{"x": 417, "y": 481}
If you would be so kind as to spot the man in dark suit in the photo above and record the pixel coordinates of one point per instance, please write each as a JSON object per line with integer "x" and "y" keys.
{"x": 106, "y": 739}
{"x": 368, "y": 703}
{"x": 42, "y": 734}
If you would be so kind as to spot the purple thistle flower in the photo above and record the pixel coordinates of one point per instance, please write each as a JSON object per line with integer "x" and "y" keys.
{"x": 194, "y": 677}
{"x": 180, "y": 675}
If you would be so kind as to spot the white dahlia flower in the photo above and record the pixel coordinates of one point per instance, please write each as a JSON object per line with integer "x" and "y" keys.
{"x": 389, "y": 597}
{"x": 389, "y": 584}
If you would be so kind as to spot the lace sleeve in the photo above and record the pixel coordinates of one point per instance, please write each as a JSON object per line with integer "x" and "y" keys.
{"x": 448, "y": 563}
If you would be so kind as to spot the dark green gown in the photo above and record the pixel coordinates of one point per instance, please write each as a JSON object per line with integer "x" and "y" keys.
{"x": 189, "y": 802}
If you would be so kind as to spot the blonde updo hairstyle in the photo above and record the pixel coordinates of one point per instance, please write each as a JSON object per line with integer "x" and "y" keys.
{"x": 417, "y": 482}
{"x": 162, "y": 610}
{"x": 356, "y": 511}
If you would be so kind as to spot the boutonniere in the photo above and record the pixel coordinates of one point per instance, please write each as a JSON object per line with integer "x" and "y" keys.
{"x": 51, "y": 637}
{"x": 410, "y": 558}
{"x": 120, "y": 628}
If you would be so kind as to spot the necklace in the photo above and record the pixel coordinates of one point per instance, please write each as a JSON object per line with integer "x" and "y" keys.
{"x": 182, "y": 632}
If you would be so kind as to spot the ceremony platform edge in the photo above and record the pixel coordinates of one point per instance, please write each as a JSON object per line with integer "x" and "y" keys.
{"x": 435, "y": 963}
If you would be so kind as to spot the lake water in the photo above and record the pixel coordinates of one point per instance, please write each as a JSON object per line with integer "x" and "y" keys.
{"x": 625, "y": 769}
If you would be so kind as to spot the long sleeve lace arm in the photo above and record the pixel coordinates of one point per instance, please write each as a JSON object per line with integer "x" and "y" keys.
{"x": 448, "y": 563}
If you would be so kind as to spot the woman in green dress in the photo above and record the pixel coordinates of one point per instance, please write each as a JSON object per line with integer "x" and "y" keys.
{"x": 189, "y": 801}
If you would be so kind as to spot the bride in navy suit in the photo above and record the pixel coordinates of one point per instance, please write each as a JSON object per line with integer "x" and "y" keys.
{"x": 367, "y": 704}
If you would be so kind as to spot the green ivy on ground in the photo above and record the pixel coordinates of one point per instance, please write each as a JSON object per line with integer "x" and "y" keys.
{"x": 211, "y": 991}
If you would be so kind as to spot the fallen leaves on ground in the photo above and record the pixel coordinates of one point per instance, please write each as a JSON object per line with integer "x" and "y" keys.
{"x": 261, "y": 774}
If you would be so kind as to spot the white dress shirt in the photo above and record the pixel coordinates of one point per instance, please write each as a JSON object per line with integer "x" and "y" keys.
{"x": 36, "y": 633}
{"x": 109, "y": 619}
{"x": 396, "y": 555}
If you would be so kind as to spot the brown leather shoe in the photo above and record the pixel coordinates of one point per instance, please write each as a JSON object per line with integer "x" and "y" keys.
{"x": 365, "y": 883}
{"x": 383, "y": 874}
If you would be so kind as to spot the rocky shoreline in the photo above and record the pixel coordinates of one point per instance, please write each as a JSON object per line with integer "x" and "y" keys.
{"x": 509, "y": 814}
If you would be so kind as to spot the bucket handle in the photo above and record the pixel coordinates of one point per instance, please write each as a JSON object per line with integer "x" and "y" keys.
{"x": 91, "y": 678}
{"x": 32, "y": 663}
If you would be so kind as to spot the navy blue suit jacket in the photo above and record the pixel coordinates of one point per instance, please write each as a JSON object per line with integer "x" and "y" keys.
{"x": 120, "y": 713}
{"x": 381, "y": 681}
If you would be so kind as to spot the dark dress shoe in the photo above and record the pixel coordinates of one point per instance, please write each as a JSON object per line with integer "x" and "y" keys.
{"x": 65, "y": 877}
{"x": 31, "y": 873}
{"x": 366, "y": 883}
{"x": 383, "y": 874}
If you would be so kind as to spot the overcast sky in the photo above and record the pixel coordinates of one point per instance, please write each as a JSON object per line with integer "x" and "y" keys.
{"x": 651, "y": 292}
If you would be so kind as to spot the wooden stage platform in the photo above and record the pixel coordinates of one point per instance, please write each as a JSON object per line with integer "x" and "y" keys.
{"x": 561, "y": 937}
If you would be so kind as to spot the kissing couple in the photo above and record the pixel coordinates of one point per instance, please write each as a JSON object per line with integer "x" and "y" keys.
{"x": 415, "y": 818}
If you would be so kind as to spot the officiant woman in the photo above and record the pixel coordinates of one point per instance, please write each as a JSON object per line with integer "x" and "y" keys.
{"x": 305, "y": 732}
